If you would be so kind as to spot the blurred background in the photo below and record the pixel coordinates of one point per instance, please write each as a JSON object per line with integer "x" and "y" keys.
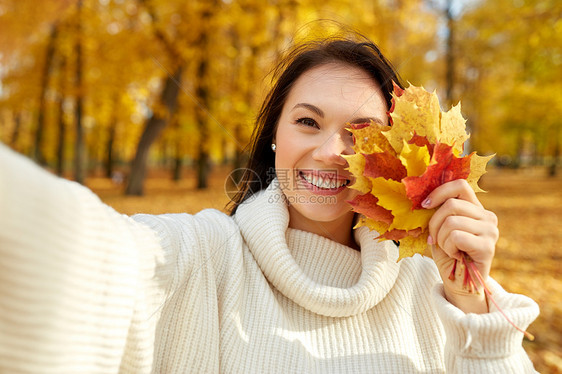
{"x": 151, "y": 103}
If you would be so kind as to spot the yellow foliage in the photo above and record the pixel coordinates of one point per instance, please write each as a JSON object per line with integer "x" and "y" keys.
{"x": 414, "y": 158}
{"x": 357, "y": 167}
{"x": 416, "y": 110}
{"x": 392, "y": 196}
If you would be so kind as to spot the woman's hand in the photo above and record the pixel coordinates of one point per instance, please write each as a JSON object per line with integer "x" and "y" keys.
{"x": 461, "y": 223}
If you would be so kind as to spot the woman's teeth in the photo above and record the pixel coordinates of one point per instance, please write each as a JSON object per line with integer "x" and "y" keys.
{"x": 325, "y": 182}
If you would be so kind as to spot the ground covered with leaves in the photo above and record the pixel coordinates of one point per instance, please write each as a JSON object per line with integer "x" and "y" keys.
{"x": 528, "y": 257}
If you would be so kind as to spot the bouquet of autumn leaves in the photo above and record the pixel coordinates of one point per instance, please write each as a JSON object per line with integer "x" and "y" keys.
{"x": 397, "y": 167}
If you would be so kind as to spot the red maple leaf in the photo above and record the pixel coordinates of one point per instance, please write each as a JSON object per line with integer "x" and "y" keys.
{"x": 420, "y": 141}
{"x": 397, "y": 234}
{"x": 384, "y": 165}
{"x": 357, "y": 126}
{"x": 398, "y": 91}
{"x": 443, "y": 167}
{"x": 367, "y": 205}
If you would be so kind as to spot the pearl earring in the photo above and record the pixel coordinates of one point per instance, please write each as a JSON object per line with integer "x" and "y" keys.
{"x": 273, "y": 147}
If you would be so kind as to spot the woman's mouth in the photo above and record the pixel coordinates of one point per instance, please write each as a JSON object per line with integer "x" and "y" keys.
{"x": 323, "y": 182}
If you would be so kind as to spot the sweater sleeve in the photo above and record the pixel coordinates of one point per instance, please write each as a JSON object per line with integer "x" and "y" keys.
{"x": 486, "y": 343}
{"x": 78, "y": 288}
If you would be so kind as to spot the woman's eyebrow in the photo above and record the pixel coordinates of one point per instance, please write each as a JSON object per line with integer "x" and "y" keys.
{"x": 310, "y": 107}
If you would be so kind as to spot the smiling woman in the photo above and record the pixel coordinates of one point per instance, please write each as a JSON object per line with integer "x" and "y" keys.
{"x": 283, "y": 284}
{"x": 311, "y": 136}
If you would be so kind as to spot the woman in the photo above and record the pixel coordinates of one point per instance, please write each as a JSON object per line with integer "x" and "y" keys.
{"x": 282, "y": 285}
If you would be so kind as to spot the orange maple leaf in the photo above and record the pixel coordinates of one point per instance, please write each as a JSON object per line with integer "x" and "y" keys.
{"x": 444, "y": 167}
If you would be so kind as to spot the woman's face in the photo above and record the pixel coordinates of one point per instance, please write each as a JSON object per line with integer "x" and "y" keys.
{"x": 311, "y": 136}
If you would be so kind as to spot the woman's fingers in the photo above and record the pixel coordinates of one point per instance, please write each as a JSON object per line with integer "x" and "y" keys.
{"x": 461, "y": 224}
{"x": 452, "y": 208}
{"x": 457, "y": 189}
{"x": 450, "y": 232}
{"x": 480, "y": 248}
{"x": 461, "y": 215}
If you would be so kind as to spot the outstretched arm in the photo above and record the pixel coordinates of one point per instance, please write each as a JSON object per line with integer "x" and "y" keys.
{"x": 73, "y": 275}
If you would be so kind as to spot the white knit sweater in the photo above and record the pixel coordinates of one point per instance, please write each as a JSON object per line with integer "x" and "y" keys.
{"x": 86, "y": 290}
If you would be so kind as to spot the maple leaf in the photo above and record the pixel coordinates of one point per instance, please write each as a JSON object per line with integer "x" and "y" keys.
{"x": 373, "y": 225}
{"x": 414, "y": 158}
{"x": 356, "y": 167}
{"x": 396, "y": 234}
{"x": 410, "y": 245}
{"x": 392, "y": 196}
{"x": 444, "y": 167}
{"x": 367, "y": 204}
{"x": 421, "y": 141}
{"x": 452, "y": 130}
{"x": 414, "y": 110}
{"x": 369, "y": 138}
{"x": 384, "y": 165}
{"x": 477, "y": 169}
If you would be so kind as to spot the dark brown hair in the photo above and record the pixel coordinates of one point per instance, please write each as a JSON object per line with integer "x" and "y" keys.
{"x": 362, "y": 54}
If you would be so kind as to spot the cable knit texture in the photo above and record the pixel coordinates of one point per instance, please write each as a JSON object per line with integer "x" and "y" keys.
{"x": 87, "y": 290}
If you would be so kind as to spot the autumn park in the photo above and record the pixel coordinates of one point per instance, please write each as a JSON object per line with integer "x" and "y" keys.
{"x": 151, "y": 103}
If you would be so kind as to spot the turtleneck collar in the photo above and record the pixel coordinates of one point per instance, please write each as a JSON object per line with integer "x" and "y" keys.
{"x": 317, "y": 273}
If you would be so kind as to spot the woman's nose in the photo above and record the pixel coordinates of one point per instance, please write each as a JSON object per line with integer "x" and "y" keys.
{"x": 331, "y": 149}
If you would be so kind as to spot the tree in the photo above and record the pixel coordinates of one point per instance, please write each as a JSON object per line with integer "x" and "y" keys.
{"x": 41, "y": 110}
{"x": 152, "y": 130}
{"x": 79, "y": 149}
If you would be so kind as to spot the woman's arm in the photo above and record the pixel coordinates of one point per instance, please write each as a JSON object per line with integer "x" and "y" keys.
{"x": 486, "y": 343}
{"x": 76, "y": 278}
{"x": 479, "y": 338}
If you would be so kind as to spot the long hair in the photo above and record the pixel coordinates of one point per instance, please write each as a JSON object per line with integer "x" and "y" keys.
{"x": 362, "y": 54}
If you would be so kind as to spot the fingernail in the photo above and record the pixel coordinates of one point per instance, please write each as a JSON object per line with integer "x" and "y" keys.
{"x": 426, "y": 202}
{"x": 430, "y": 240}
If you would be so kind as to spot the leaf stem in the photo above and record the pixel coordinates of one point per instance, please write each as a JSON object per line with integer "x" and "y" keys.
{"x": 470, "y": 264}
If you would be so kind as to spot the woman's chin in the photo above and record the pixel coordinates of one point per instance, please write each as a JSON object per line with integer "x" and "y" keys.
{"x": 322, "y": 212}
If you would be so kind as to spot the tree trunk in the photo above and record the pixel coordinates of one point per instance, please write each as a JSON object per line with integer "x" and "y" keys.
{"x": 203, "y": 98}
{"x": 16, "y": 131}
{"x": 239, "y": 160}
{"x": 450, "y": 57}
{"x": 61, "y": 126}
{"x": 79, "y": 148}
{"x": 177, "y": 167}
{"x": 38, "y": 154}
{"x": 202, "y": 94}
{"x": 552, "y": 169}
{"x": 520, "y": 149}
{"x": 153, "y": 128}
{"x": 178, "y": 154}
{"x": 110, "y": 156}
{"x": 109, "y": 160}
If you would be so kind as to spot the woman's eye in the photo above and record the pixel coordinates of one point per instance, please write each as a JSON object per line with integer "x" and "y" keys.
{"x": 309, "y": 122}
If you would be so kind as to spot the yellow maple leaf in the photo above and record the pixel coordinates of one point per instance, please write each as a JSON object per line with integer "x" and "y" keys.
{"x": 392, "y": 196}
{"x": 416, "y": 110}
{"x": 477, "y": 169}
{"x": 356, "y": 166}
{"x": 370, "y": 139}
{"x": 414, "y": 158}
{"x": 409, "y": 246}
{"x": 452, "y": 130}
{"x": 378, "y": 226}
